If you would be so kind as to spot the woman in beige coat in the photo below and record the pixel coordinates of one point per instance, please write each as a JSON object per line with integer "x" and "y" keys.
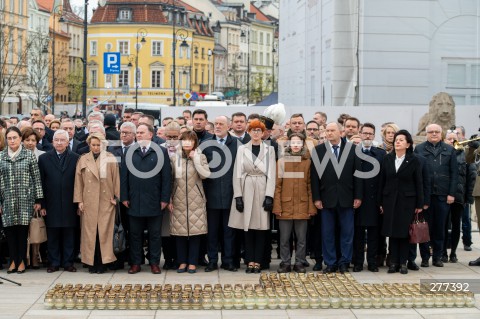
{"x": 253, "y": 190}
{"x": 97, "y": 186}
{"x": 188, "y": 217}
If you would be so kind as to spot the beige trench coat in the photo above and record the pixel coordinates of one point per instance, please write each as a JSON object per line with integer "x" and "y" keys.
{"x": 253, "y": 181}
{"x": 96, "y": 183}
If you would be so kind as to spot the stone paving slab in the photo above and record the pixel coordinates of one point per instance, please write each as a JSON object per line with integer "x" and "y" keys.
{"x": 27, "y": 301}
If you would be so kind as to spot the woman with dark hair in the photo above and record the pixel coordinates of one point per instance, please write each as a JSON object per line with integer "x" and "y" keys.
{"x": 30, "y": 139}
{"x": 188, "y": 219}
{"x": 401, "y": 196}
{"x": 293, "y": 204}
{"x": 20, "y": 197}
{"x": 253, "y": 190}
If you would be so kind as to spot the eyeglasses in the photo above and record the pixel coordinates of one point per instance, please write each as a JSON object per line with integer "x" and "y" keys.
{"x": 312, "y": 129}
{"x": 171, "y": 137}
{"x": 256, "y": 130}
{"x": 125, "y": 133}
{"x": 434, "y": 132}
{"x": 368, "y": 134}
{"x": 452, "y": 131}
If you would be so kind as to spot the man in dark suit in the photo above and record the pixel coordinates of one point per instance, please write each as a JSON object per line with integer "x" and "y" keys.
{"x": 69, "y": 127}
{"x": 219, "y": 193}
{"x": 57, "y": 170}
{"x": 150, "y": 120}
{"x": 367, "y": 216}
{"x": 337, "y": 192}
{"x": 441, "y": 160}
{"x": 44, "y": 144}
{"x": 145, "y": 191}
{"x": 199, "y": 122}
{"x": 239, "y": 127}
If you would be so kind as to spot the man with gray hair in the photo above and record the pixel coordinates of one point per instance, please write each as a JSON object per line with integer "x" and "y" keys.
{"x": 442, "y": 164}
{"x": 96, "y": 116}
{"x": 57, "y": 170}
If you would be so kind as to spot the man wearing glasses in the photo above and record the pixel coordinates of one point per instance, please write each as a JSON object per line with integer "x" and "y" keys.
{"x": 313, "y": 130}
{"x": 43, "y": 144}
{"x": 442, "y": 165}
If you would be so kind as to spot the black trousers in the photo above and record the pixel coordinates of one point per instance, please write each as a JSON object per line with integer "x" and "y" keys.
{"x": 255, "y": 241}
{"x": 154, "y": 226}
{"x": 456, "y": 212}
{"x": 359, "y": 245}
{"x": 218, "y": 228}
{"x": 61, "y": 246}
{"x": 169, "y": 249}
{"x": 188, "y": 249}
{"x": 316, "y": 238}
{"x": 17, "y": 244}
{"x": 399, "y": 250}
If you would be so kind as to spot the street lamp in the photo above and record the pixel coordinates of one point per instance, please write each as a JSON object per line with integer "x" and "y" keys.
{"x": 140, "y": 33}
{"x": 210, "y": 54}
{"x": 182, "y": 34}
{"x": 56, "y": 10}
{"x": 273, "y": 68}
{"x": 246, "y": 34}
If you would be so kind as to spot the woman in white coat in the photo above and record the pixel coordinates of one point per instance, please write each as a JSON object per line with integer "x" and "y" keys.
{"x": 253, "y": 190}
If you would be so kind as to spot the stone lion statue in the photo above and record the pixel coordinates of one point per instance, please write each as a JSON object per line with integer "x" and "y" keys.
{"x": 441, "y": 111}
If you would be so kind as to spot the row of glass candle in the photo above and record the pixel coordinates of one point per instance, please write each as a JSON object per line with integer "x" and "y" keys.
{"x": 249, "y": 300}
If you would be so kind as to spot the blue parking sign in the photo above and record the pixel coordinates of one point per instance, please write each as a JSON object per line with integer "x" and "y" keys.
{"x": 111, "y": 63}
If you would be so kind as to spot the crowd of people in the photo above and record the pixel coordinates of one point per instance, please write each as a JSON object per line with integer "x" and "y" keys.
{"x": 194, "y": 190}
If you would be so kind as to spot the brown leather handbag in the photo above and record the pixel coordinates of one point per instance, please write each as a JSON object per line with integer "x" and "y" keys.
{"x": 38, "y": 230}
{"x": 418, "y": 231}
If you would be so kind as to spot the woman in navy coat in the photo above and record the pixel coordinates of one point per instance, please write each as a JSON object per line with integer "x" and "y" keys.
{"x": 401, "y": 196}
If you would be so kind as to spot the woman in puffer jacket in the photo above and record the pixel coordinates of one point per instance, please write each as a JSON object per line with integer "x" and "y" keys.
{"x": 188, "y": 219}
{"x": 293, "y": 204}
{"x": 466, "y": 180}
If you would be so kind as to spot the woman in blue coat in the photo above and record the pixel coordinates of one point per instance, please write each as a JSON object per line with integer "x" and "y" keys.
{"x": 401, "y": 196}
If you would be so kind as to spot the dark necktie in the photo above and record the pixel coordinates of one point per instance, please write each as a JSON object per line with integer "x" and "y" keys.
{"x": 221, "y": 141}
{"x": 61, "y": 158}
{"x": 335, "y": 150}
{"x": 366, "y": 151}
{"x": 144, "y": 150}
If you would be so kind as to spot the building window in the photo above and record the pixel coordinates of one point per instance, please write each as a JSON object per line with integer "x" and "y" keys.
{"x": 268, "y": 39}
{"x": 261, "y": 37}
{"x": 93, "y": 78}
{"x": 93, "y": 48}
{"x": 108, "y": 81}
{"x": 156, "y": 79}
{"x": 123, "y": 47}
{"x": 157, "y": 48}
{"x": 123, "y": 78}
{"x": 261, "y": 58}
{"x": 125, "y": 14}
{"x": 456, "y": 74}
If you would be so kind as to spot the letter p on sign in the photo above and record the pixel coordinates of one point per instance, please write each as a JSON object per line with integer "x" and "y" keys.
{"x": 111, "y": 63}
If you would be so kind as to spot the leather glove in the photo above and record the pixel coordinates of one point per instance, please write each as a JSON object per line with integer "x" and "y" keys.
{"x": 473, "y": 144}
{"x": 268, "y": 204}
{"x": 239, "y": 204}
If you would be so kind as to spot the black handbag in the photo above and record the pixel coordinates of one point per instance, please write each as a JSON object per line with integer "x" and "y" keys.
{"x": 119, "y": 239}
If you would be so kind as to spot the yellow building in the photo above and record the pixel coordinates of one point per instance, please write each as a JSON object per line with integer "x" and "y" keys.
{"x": 144, "y": 35}
{"x": 13, "y": 54}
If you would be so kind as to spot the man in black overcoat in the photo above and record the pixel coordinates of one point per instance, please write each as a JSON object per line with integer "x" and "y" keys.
{"x": 57, "y": 170}
{"x": 367, "y": 216}
{"x": 145, "y": 190}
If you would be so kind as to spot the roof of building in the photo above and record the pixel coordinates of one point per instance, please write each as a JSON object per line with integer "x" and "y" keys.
{"x": 259, "y": 14}
{"x": 68, "y": 13}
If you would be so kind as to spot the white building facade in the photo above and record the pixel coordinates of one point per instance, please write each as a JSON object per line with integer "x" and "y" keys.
{"x": 378, "y": 52}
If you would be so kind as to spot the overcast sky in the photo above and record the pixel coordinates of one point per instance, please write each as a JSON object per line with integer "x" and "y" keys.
{"x": 80, "y": 3}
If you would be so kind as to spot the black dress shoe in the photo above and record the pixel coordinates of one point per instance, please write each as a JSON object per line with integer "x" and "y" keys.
{"x": 317, "y": 267}
{"x": 53, "y": 269}
{"x": 453, "y": 258}
{"x": 444, "y": 258}
{"x": 299, "y": 268}
{"x": 412, "y": 266}
{"x": 424, "y": 263}
{"x": 437, "y": 263}
{"x": 373, "y": 268}
{"x": 284, "y": 268}
{"x": 330, "y": 269}
{"x": 249, "y": 269}
{"x": 467, "y": 248}
{"x": 70, "y": 269}
{"x": 211, "y": 267}
{"x": 475, "y": 262}
{"x": 92, "y": 270}
{"x": 357, "y": 268}
{"x": 230, "y": 267}
{"x": 403, "y": 269}
{"x": 306, "y": 264}
{"x": 392, "y": 269}
{"x": 343, "y": 268}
